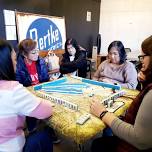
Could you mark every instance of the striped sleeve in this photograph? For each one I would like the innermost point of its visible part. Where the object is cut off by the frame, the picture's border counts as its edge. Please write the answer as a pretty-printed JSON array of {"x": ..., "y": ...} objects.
[{"x": 27, "y": 104}]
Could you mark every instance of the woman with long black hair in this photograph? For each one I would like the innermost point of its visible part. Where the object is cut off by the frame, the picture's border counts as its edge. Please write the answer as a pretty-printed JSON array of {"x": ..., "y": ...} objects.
[{"x": 74, "y": 59}]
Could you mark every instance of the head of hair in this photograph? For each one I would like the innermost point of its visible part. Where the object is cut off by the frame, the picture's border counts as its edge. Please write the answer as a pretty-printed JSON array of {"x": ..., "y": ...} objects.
[
  {"x": 6, "y": 65},
  {"x": 72, "y": 42},
  {"x": 121, "y": 50},
  {"x": 26, "y": 45},
  {"x": 146, "y": 47}
]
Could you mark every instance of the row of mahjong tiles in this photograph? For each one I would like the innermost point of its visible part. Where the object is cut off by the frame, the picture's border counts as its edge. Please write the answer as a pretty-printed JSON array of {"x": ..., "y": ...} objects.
[
  {"x": 64, "y": 86},
  {"x": 56, "y": 90}
]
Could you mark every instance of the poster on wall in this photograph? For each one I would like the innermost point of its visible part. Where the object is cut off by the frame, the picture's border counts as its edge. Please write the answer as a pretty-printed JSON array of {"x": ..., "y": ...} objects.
[{"x": 48, "y": 31}]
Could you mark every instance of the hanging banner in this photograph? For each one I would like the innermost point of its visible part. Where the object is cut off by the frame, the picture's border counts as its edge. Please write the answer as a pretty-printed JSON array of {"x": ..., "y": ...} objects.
[{"x": 48, "y": 31}]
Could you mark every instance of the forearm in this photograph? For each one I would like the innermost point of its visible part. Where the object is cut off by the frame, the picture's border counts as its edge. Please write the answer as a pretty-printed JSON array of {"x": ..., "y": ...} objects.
[
  {"x": 96, "y": 76},
  {"x": 108, "y": 118},
  {"x": 43, "y": 110},
  {"x": 120, "y": 128},
  {"x": 128, "y": 132},
  {"x": 138, "y": 134},
  {"x": 129, "y": 84}
]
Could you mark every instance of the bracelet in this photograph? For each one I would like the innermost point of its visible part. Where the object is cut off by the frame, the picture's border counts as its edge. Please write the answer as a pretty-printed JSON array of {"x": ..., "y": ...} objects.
[{"x": 102, "y": 114}]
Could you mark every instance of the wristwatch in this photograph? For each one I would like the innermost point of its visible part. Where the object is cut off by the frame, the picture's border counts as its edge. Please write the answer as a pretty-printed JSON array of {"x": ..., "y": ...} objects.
[{"x": 102, "y": 114}]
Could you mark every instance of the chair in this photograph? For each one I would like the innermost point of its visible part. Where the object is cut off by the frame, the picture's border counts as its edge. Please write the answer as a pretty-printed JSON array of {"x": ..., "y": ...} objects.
[
  {"x": 127, "y": 50},
  {"x": 89, "y": 67}
]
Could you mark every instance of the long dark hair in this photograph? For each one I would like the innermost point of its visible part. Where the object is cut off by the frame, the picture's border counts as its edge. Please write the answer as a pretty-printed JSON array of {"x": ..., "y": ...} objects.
[
  {"x": 147, "y": 49},
  {"x": 6, "y": 65},
  {"x": 74, "y": 43},
  {"x": 121, "y": 50}
]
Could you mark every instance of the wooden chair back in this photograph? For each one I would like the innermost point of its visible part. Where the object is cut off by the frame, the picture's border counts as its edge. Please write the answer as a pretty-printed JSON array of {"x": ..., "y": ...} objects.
[{"x": 43, "y": 53}]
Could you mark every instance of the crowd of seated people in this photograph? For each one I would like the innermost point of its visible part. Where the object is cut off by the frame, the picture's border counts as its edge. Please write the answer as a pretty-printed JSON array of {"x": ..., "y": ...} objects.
[{"x": 29, "y": 69}]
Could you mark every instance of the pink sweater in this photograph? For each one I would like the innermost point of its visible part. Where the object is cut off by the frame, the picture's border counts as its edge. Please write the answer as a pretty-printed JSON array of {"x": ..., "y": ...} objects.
[{"x": 16, "y": 103}]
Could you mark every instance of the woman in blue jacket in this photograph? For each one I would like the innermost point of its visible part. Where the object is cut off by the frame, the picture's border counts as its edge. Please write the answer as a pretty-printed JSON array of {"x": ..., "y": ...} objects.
[{"x": 31, "y": 69}]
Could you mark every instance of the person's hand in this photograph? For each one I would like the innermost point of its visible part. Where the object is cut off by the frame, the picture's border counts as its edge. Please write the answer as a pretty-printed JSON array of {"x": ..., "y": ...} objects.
[
  {"x": 95, "y": 78},
  {"x": 141, "y": 76},
  {"x": 53, "y": 78},
  {"x": 68, "y": 74},
  {"x": 96, "y": 108}
]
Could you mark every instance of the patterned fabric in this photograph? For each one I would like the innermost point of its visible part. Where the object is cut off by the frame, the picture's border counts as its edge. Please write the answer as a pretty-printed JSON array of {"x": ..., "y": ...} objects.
[
  {"x": 16, "y": 103},
  {"x": 23, "y": 76}
]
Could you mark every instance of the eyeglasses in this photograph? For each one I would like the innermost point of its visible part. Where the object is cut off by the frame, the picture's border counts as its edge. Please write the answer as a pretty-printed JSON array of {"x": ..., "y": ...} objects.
[
  {"x": 141, "y": 57},
  {"x": 34, "y": 51}
]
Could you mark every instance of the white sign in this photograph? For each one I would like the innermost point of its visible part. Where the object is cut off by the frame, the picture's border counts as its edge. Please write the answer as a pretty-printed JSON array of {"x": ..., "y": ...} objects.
[{"x": 48, "y": 31}]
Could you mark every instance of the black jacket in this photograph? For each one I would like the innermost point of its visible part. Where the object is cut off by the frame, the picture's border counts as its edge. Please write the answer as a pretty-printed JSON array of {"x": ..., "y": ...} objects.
[{"x": 79, "y": 63}]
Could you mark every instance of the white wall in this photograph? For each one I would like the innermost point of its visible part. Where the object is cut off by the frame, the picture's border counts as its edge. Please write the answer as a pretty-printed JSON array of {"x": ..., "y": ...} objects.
[{"x": 127, "y": 20}]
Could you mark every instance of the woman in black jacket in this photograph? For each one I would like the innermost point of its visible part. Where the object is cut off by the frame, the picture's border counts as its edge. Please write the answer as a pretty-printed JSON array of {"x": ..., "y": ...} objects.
[{"x": 74, "y": 59}]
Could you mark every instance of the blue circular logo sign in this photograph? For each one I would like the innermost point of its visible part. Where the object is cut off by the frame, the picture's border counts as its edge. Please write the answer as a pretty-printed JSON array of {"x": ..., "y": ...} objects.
[{"x": 46, "y": 33}]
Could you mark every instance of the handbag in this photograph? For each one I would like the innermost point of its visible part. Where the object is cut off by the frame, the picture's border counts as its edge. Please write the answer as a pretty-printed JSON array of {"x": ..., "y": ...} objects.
[{"x": 52, "y": 61}]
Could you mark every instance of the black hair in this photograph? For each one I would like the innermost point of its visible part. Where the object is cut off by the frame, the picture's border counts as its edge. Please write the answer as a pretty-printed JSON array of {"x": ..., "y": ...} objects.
[
  {"x": 6, "y": 65},
  {"x": 74, "y": 43},
  {"x": 121, "y": 50}
]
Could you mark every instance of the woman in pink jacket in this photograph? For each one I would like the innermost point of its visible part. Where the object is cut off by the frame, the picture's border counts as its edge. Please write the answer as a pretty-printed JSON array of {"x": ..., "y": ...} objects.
[{"x": 16, "y": 103}]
